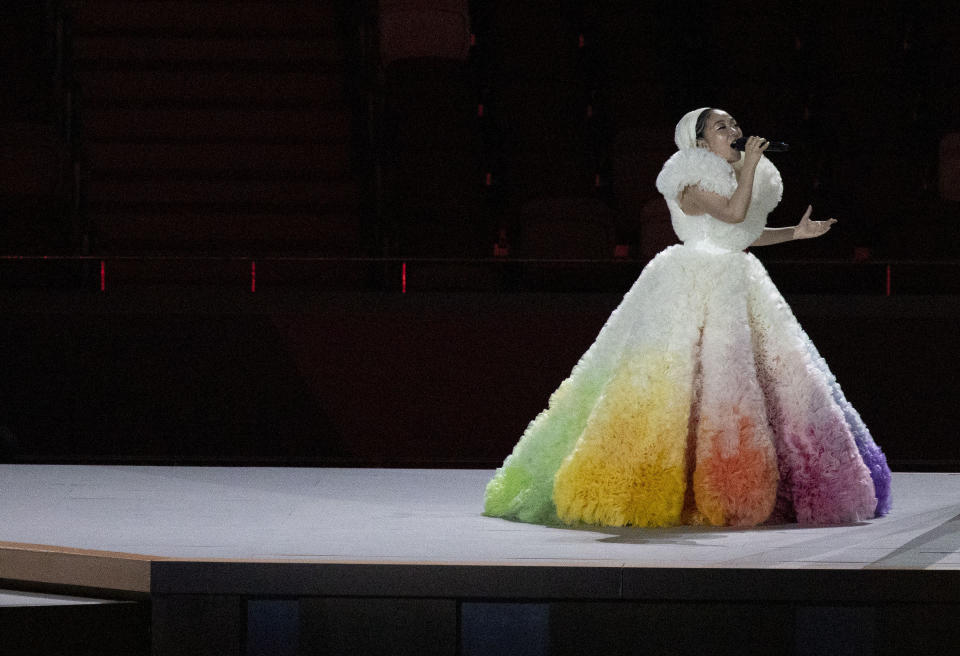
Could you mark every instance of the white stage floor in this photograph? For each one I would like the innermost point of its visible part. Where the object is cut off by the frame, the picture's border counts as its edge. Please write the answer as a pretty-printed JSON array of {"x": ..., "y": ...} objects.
[
  {"x": 395, "y": 515},
  {"x": 212, "y": 547},
  {"x": 103, "y": 526}
]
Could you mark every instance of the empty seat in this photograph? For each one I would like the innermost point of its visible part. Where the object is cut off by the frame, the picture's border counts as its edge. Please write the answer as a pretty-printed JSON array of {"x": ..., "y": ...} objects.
[
  {"x": 191, "y": 17},
  {"x": 423, "y": 28},
  {"x": 566, "y": 228},
  {"x": 950, "y": 167}
]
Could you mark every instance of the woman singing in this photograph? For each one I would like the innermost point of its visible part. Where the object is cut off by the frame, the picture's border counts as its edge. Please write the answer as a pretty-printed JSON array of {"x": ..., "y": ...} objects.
[{"x": 702, "y": 400}]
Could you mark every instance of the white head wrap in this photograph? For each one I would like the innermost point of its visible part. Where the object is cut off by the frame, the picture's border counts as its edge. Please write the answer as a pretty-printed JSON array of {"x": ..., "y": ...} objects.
[{"x": 685, "y": 136}]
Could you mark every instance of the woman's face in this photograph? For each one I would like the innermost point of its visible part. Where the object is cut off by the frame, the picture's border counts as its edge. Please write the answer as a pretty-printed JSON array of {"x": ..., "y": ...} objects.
[{"x": 719, "y": 131}]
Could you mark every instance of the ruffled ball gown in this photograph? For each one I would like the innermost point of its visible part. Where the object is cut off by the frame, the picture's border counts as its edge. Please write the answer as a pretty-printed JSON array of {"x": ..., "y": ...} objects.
[{"x": 702, "y": 400}]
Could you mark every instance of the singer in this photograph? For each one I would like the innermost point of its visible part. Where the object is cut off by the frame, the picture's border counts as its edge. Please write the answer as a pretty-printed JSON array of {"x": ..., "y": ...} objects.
[{"x": 702, "y": 400}]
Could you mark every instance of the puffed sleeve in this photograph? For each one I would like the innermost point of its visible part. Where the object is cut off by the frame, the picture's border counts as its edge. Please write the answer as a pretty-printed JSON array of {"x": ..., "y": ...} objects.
[{"x": 696, "y": 166}]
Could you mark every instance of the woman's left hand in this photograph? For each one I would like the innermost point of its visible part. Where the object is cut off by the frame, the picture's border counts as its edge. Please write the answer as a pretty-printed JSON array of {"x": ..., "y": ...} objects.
[{"x": 808, "y": 229}]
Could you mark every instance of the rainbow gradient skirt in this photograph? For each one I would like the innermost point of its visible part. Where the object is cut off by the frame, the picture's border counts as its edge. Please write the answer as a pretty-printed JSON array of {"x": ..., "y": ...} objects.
[{"x": 702, "y": 401}]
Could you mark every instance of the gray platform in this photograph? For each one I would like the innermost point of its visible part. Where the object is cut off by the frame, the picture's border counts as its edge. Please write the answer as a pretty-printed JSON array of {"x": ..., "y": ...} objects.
[
  {"x": 142, "y": 529},
  {"x": 367, "y": 560}
]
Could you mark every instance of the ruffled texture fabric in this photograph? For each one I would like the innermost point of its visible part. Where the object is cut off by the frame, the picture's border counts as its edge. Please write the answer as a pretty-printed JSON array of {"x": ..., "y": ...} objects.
[
  {"x": 702, "y": 400},
  {"x": 710, "y": 172}
]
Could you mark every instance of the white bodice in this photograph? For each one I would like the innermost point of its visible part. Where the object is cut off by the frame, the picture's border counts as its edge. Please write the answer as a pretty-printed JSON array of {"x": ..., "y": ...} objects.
[
  {"x": 701, "y": 167},
  {"x": 707, "y": 233}
]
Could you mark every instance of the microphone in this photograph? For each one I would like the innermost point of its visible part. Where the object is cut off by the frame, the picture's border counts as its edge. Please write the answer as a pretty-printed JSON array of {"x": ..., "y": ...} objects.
[{"x": 774, "y": 147}]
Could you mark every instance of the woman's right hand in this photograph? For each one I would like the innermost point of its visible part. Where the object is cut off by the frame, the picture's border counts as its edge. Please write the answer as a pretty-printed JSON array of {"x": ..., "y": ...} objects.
[{"x": 753, "y": 150}]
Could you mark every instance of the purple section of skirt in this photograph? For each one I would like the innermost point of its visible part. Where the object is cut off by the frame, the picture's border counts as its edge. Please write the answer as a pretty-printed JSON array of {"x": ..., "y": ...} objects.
[{"x": 872, "y": 456}]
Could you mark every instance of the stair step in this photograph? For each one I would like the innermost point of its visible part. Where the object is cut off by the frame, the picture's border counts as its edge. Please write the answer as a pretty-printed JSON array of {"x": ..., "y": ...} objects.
[
  {"x": 223, "y": 86},
  {"x": 275, "y": 193},
  {"x": 21, "y": 599},
  {"x": 191, "y": 17},
  {"x": 45, "y": 624},
  {"x": 30, "y": 159},
  {"x": 239, "y": 124},
  {"x": 134, "y": 50},
  {"x": 333, "y": 233},
  {"x": 313, "y": 158}
]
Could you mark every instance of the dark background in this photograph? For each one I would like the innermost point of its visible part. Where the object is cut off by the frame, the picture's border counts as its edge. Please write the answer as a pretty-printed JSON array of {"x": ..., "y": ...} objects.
[{"x": 153, "y": 153}]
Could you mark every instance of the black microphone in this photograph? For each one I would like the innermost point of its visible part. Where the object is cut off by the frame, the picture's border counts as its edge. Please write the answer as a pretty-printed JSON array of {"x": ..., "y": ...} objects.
[{"x": 774, "y": 147}]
